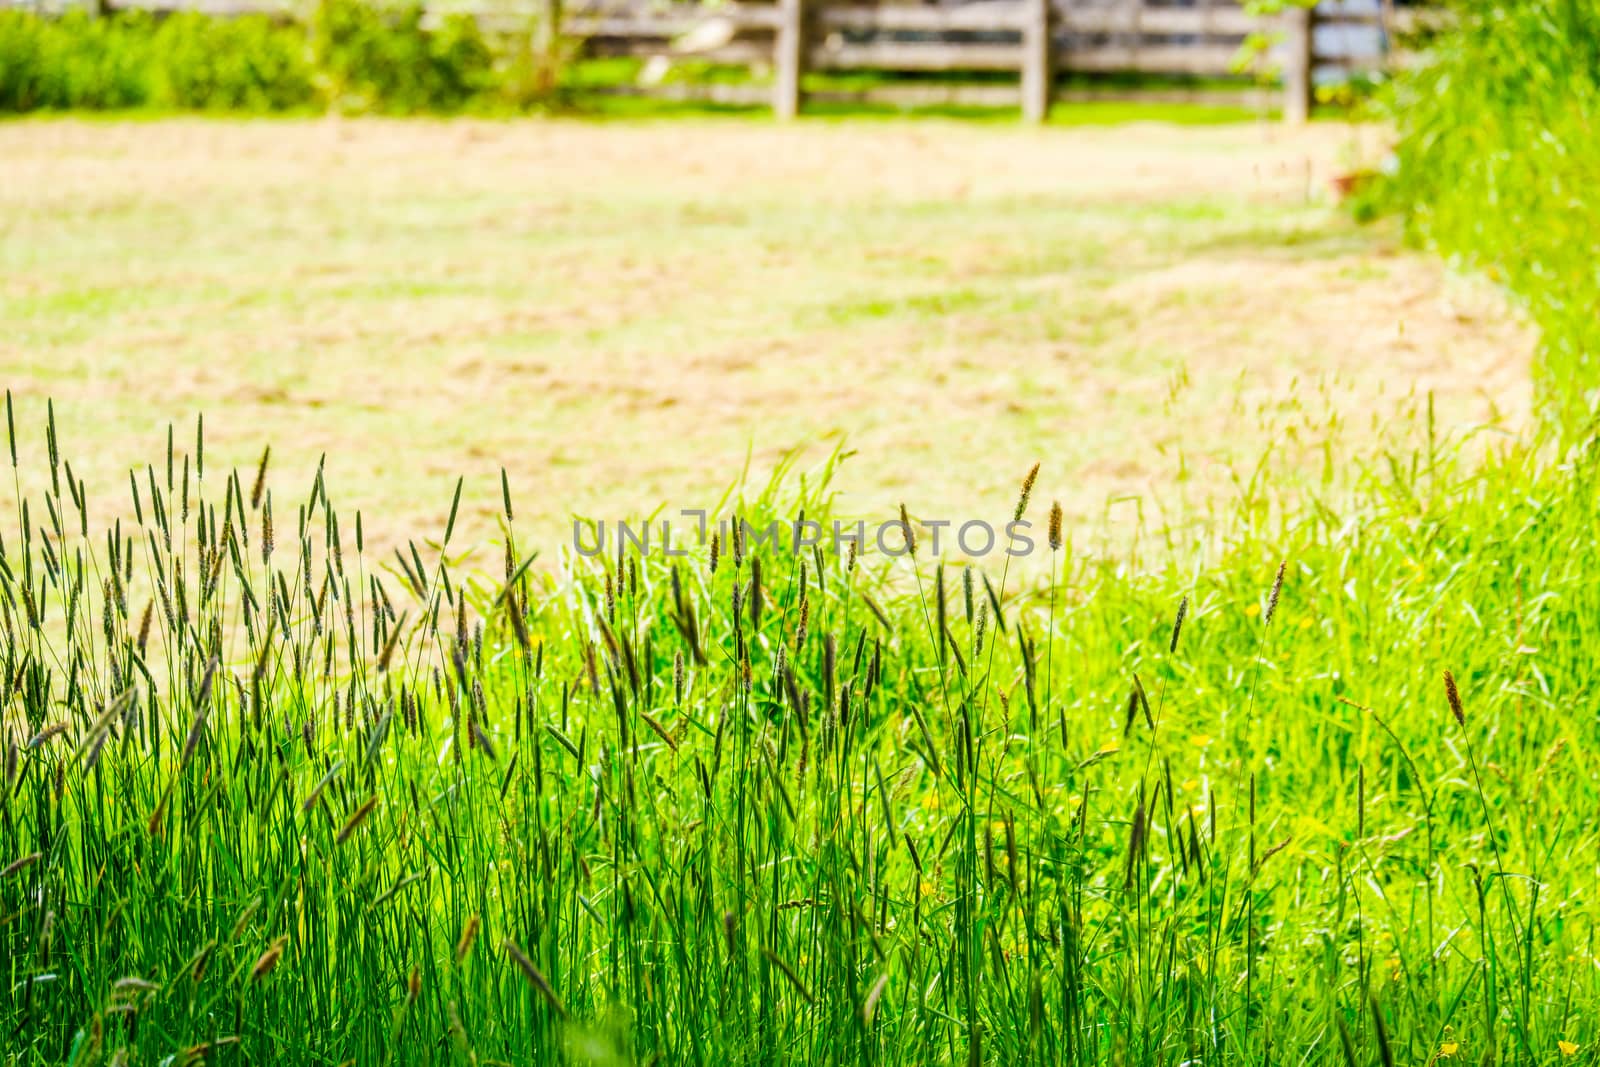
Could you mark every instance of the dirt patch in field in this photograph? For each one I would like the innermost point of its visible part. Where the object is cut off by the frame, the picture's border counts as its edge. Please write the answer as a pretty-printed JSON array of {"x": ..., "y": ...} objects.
[{"x": 621, "y": 314}]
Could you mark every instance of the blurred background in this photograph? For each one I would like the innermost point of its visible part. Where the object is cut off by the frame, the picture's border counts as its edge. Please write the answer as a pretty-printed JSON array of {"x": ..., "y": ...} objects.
[{"x": 635, "y": 253}]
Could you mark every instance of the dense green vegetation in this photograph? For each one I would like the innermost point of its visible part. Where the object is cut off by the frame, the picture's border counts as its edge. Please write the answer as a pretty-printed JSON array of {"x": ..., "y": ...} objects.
[
  {"x": 1326, "y": 799},
  {"x": 348, "y": 54},
  {"x": 1499, "y": 162},
  {"x": 267, "y": 795},
  {"x": 358, "y": 56}
]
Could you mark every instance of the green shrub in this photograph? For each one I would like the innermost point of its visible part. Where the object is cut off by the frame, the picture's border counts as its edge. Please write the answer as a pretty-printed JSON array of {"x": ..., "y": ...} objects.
[
  {"x": 73, "y": 62},
  {"x": 1499, "y": 165},
  {"x": 351, "y": 54},
  {"x": 243, "y": 64},
  {"x": 386, "y": 59}
]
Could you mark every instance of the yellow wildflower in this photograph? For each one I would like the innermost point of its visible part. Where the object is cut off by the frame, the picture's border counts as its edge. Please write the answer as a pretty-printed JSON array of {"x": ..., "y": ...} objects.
[
  {"x": 1449, "y": 1048},
  {"x": 1567, "y": 1048}
]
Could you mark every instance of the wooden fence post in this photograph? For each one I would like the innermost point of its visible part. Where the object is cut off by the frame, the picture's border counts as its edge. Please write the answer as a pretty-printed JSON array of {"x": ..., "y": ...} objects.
[
  {"x": 1299, "y": 51},
  {"x": 1038, "y": 61},
  {"x": 790, "y": 58}
]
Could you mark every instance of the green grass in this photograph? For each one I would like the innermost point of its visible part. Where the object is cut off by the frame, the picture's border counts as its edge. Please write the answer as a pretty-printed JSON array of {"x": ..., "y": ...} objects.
[
  {"x": 1497, "y": 165},
  {"x": 1126, "y": 301},
  {"x": 303, "y": 802},
  {"x": 1321, "y": 795}
]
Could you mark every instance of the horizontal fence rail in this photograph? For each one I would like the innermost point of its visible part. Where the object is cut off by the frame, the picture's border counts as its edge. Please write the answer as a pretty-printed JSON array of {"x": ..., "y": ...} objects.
[{"x": 1036, "y": 39}]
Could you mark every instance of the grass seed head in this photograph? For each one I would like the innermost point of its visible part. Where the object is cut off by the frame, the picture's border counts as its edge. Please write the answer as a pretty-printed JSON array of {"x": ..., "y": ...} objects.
[
  {"x": 1277, "y": 590},
  {"x": 1453, "y": 695},
  {"x": 1027, "y": 491},
  {"x": 261, "y": 478},
  {"x": 908, "y": 531},
  {"x": 469, "y": 934},
  {"x": 267, "y": 961},
  {"x": 534, "y": 977}
]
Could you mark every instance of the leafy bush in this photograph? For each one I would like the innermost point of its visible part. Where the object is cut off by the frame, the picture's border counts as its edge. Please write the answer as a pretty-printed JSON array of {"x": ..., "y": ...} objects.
[
  {"x": 244, "y": 64},
  {"x": 386, "y": 59},
  {"x": 74, "y": 62},
  {"x": 1499, "y": 164},
  {"x": 351, "y": 54}
]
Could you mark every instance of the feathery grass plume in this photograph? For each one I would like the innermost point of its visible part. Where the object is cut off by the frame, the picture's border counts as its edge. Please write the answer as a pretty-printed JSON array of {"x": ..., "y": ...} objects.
[
  {"x": 481, "y": 740},
  {"x": 1027, "y": 491},
  {"x": 202, "y": 706},
  {"x": 1055, "y": 526},
  {"x": 800, "y": 630},
  {"x": 677, "y": 677},
  {"x": 877, "y": 611},
  {"x": 756, "y": 599},
  {"x": 716, "y": 549},
  {"x": 519, "y": 625},
  {"x": 261, "y": 479},
  {"x": 1277, "y": 589},
  {"x": 45, "y": 736},
  {"x": 910, "y": 533},
  {"x": 534, "y": 977},
  {"x": 788, "y": 973},
  {"x": 1136, "y": 834},
  {"x": 322, "y": 783},
  {"x": 267, "y": 961},
  {"x": 1361, "y": 801},
  {"x": 1177, "y": 624},
  {"x": 1453, "y": 695},
  {"x": 196, "y": 965},
  {"x": 1132, "y": 712},
  {"x": 352, "y": 824},
  {"x": 469, "y": 934},
  {"x": 830, "y": 655},
  {"x": 144, "y": 627},
  {"x": 266, "y": 530},
  {"x": 21, "y": 864},
  {"x": 659, "y": 730},
  {"x": 389, "y": 645},
  {"x": 53, "y": 445},
  {"x": 11, "y": 430},
  {"x": 505, "y": 493}
]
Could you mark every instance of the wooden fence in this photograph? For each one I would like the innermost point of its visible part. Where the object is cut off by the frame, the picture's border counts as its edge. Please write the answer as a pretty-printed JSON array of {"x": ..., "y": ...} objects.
[{"x": 1036, "y": 39}]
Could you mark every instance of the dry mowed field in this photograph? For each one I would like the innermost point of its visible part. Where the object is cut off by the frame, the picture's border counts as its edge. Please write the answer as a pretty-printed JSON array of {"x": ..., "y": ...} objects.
[{"x": 620, "y": 313}]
